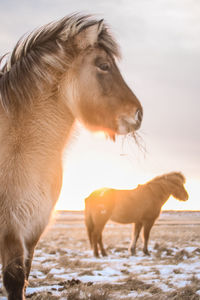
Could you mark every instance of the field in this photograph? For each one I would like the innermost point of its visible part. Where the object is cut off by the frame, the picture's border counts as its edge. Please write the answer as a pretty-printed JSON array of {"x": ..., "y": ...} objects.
[{"x": 64, "y": 267}]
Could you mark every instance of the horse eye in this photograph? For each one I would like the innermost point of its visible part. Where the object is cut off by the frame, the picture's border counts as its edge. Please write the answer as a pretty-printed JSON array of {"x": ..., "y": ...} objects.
[{"x": 104, "y": 67}]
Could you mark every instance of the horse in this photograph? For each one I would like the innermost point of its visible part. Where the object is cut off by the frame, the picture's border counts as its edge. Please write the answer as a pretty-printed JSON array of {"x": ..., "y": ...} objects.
[
  {"x": 61, "y": 72},
  {"x": 140, "y": 206}
]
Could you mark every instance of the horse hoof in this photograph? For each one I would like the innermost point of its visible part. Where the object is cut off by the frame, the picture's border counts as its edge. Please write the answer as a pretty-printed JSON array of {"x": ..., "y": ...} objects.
[{"x": 132, "y": 252}]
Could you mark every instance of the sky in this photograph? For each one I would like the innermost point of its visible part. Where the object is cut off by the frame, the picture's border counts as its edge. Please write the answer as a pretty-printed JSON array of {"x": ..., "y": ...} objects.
[{"x": 160, "y": 47}]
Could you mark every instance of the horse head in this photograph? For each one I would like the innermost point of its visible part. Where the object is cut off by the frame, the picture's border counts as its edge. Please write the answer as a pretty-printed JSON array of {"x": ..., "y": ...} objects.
[{"x": 94, "y": 88}]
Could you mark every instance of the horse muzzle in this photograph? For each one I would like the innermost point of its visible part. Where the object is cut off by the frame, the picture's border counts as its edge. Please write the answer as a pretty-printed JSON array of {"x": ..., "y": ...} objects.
[{"x": 130, "y": 123}]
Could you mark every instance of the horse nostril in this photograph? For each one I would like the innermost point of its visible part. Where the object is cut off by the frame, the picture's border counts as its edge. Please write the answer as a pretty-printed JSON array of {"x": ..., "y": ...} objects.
[{"x": 138, "y": 118}]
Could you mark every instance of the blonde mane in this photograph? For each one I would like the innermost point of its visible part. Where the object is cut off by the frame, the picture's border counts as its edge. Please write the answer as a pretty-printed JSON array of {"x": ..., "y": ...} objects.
[
  {"x": 165, "y": 182},
  {"x": 40, "y": 58}
]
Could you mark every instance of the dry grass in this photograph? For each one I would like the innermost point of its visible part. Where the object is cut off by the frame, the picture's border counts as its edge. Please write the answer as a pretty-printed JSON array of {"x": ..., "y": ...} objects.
[{"x": 63, "y": 262}]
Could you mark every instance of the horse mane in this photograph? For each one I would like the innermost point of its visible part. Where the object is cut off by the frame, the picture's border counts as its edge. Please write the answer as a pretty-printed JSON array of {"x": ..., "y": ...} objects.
[
  {"x": 41, "y": 57},
  {"x": 166, "y": 181}
]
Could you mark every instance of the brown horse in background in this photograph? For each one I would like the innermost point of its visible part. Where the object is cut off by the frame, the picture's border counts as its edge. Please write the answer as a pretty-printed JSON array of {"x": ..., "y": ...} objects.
[
  {"x": 141, "y": 206},
  {"x": 63, "y": 71}
]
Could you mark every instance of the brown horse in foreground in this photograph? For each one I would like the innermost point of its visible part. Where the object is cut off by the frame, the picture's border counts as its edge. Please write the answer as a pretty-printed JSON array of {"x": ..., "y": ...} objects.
[
  {"x": 141, "y": 206},
  {"x": 63, "y": 71}
]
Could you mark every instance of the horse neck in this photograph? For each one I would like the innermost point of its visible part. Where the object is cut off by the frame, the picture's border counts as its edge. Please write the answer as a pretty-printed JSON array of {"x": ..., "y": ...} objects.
[
  {"x": 162, "y": 193},
  {"x": 58, "y": 123},
  {"x": 45, "y": 125},
  {"x": 165, "y": 197}
]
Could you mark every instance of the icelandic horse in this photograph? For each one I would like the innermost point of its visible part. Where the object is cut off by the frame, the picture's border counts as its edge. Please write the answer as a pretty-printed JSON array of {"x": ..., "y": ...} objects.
[
  {"x": 63, "y": 71},
  {"x": 140, "y": 206}
]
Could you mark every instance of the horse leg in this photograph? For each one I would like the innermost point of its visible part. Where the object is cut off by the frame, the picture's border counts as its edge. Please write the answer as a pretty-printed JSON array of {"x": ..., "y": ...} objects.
[
  {"x": 12, "y": 252},
  {"x": 28, "y": 261},
  {"x": 147, "y": 228},
  {"x": 89, "y": 225},
  {"x": 103, "y": 251},
  {"x": 95, "y": 238},
  {"x": 135, "y": 235},
  {"x": 30, "y": 246}
]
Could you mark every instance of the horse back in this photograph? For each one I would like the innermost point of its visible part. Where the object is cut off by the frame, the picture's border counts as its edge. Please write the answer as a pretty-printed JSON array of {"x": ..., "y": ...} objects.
[{"x": 133, "y": 206}]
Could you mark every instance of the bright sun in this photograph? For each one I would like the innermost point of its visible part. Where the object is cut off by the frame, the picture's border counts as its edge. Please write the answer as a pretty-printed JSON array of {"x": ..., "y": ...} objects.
[{"x": 93, "y": 164}]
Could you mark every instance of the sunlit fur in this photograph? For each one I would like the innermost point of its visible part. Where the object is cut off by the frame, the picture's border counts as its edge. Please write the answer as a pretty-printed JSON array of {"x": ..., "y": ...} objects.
[
  {"x": 52, "y": 77},
  {"x": 141, "y": 206}
]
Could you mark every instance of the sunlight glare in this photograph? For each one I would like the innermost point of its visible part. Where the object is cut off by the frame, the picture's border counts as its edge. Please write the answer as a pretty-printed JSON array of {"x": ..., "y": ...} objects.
[
  {"x": 96, "y": 162},
  {"x": 99, "y": 134}
]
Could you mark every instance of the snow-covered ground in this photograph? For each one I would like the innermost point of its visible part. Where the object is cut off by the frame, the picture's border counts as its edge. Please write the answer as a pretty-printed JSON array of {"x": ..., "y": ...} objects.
[
  {"x": 115, "y": 268},
  {"x": 171, "y": 266}
]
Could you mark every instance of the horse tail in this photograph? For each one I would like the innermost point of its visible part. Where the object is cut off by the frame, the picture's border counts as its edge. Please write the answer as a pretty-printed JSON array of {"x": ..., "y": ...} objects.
[{"x": 88, "y": 220}]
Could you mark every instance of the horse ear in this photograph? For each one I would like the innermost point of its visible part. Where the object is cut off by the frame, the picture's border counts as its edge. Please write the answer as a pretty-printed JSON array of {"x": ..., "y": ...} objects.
[{"x": 89, "y": 35}]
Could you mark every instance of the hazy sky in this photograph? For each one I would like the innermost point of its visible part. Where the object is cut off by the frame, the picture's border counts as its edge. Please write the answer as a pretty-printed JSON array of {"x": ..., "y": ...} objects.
[{"x": 160, "y": 45}]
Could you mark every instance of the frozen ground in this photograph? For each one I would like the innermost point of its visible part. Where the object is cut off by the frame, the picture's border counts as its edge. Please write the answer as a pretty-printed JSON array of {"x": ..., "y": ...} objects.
[{"x": 63, "y": 263}]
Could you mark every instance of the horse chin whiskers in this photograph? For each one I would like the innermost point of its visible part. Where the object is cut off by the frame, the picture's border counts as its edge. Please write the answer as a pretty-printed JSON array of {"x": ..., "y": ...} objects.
[
  {"x": 111, "y": 136},
  {"x": 139, "y": 141}
]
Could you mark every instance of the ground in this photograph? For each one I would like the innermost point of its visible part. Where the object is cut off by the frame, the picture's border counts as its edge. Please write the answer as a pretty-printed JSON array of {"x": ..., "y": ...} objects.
[{"x": 64, "y": 266}]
